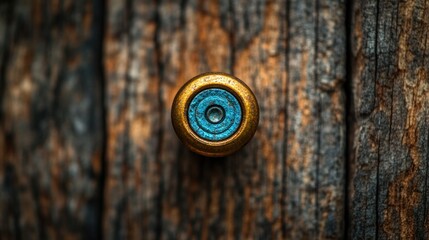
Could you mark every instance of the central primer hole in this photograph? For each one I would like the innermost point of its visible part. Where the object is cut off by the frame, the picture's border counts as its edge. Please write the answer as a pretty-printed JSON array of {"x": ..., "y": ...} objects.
[{"x": 215, "y": 114}]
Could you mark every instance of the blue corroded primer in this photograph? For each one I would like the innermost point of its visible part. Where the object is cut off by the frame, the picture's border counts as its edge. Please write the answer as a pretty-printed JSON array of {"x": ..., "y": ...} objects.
[{"x": 201, "y": 110}]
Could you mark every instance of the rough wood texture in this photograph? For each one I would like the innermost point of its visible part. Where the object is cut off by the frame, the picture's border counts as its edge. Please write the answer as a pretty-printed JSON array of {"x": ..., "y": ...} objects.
[
  {"x": 391, "y": 94},
  {"x": 285, "y": 183},
  {"x": 87, "y": 149},
  {"x": 51, "y": 115},
  {"x": 316, "y": 124}
]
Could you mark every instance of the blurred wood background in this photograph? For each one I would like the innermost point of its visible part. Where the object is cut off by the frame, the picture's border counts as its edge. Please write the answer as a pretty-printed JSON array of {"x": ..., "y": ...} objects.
[{"x": 87, "y": 150}]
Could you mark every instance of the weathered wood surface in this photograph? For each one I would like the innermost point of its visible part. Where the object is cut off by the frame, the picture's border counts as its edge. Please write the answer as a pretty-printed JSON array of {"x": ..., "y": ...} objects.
[
  {"x": 390, "y": 193},
  {"x": 285, "y": 183},
  {"x": 87, "y": 149},
  {"x": 51, "y": 121}
]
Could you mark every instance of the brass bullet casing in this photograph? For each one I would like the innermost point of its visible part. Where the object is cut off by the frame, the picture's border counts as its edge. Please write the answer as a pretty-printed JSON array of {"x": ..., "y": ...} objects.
[{"x": 215, "y": 114}]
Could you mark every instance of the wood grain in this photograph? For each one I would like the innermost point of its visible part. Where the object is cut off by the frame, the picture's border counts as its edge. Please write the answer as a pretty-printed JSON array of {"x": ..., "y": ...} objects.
[
  {"x": 51, "y": 115},
  {"x": 316, "y": 125},
  {"x": 390, "y": 83},
  {"x": 282, "y": 184},
  {"x": 87, "y": 149}
]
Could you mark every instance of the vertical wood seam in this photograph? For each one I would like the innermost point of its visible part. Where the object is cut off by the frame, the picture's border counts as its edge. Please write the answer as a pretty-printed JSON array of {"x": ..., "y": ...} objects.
[
  {"x": 377, "y": 187},
  {"x": 349, "y": 115},
  {"x": 318, "y": 113},
  {"x": 99, "y": 26},
  {"x": 285, "y": 130},
  {"x": 160, "y": 70}
]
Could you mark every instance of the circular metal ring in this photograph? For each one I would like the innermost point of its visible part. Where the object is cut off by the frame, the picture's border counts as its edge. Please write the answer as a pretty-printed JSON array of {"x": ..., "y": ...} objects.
[{"x": 194, "y": 127}]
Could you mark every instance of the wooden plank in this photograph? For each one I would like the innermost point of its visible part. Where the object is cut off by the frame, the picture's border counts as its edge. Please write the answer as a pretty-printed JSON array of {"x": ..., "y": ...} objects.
[
  {"x": 390, "y": 82},
  {"x": 133, "y": 120},
  {"x": 52, "y": 123},
  {"x": 275, "y": 187},
  {"x": 316, "y": 125}
]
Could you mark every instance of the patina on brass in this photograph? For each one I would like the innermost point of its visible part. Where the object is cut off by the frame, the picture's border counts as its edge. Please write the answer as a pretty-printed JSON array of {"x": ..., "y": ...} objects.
[{"x": 249, "y": 121}]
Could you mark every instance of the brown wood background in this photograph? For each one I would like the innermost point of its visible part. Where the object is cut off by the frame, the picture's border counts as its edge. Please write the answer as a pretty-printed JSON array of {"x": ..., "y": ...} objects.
[{"x": 87, "y": 149}]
